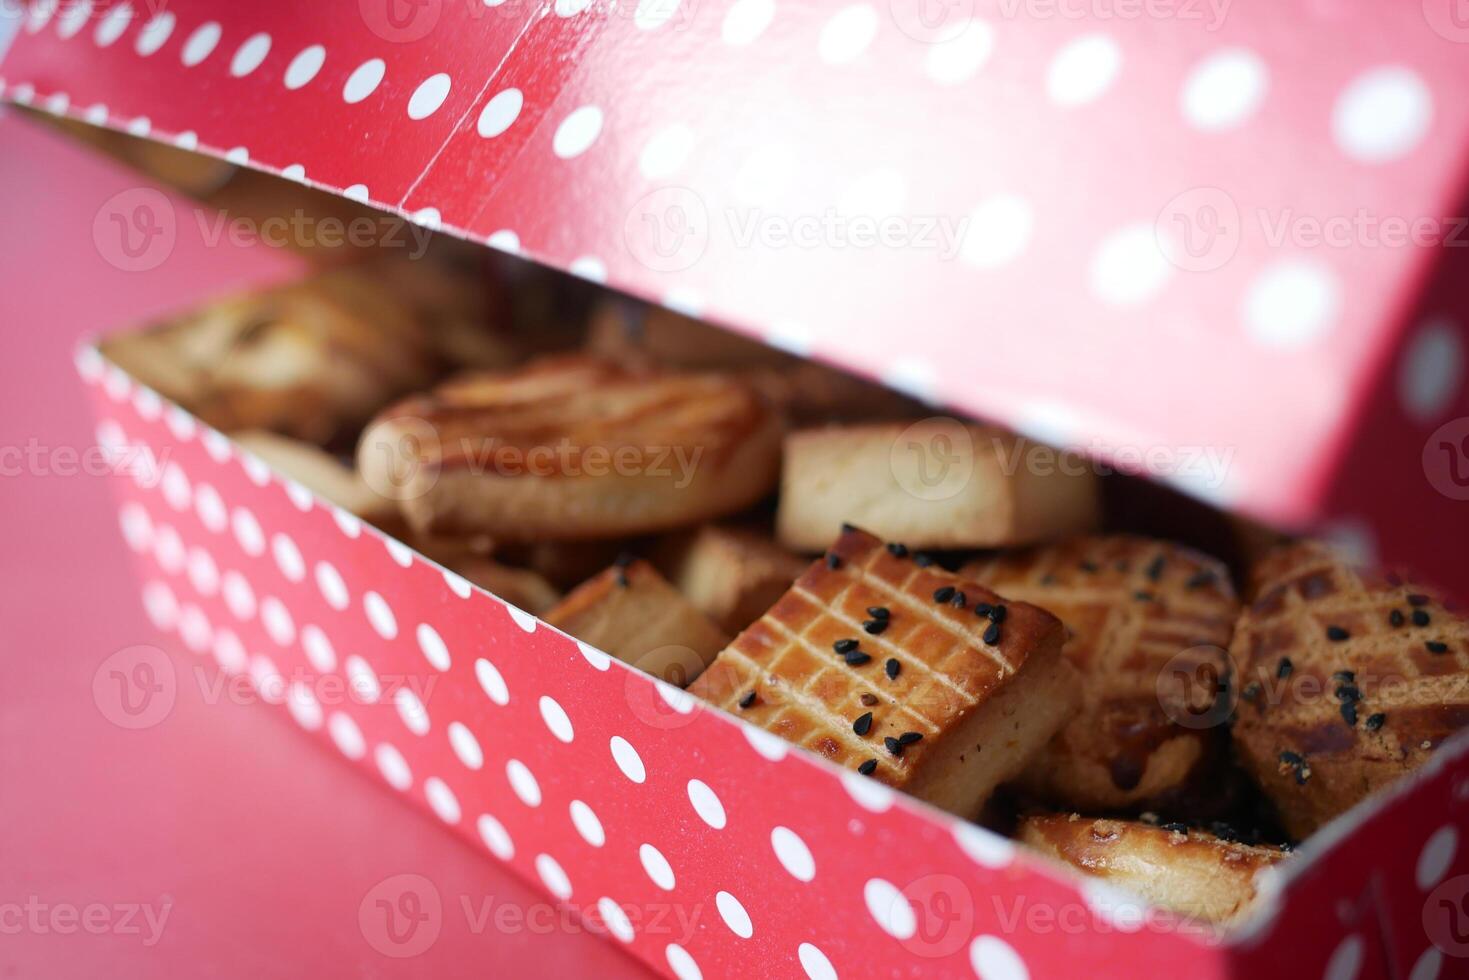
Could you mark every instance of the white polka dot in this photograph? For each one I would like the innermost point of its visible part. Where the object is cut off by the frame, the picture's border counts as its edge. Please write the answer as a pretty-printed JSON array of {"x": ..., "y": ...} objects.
[
  {"x": 746, "y": 20},
  {"x": 97, "y": 115},
  {"x": 491, "y": 682},
  {"x": 113, "y": 25},
  {"x": 441, "y": 798},
  {"x": 116, "y": 383},
  {"x": 1224, "y": 89},
  {"x": 218, "y": 446},
  {"x": 500, "y": 112},
  {"x": 346, "y": 522},
  {"x": 523, "y": 782},
  {"x": 89, "y": 361},
  {"x": 304, "y": 66},
  {"x": 577, "y": 132},
  {"x": 250, "y": 55},
  {"x": 523, "y": 619},
  {"x": 239, "y": 598},
  {"x": 681, "y": 963},
  {"x": 294, "y": 171},
  {"x": 247, "y": 532},
  {"x": 793, "y": 853},
  {"x": 210, "y": 508},
  {"x": 432, "y": 645},
  {"x": 428, "y": 217},
  {"x": 764, "y": 175},
  {"x": 1436, "y": 856},
  {"x": 706, "y": 804},
  {"x": 137, "y": 528},
  {"x": 771, "y": 747},
  {"x": 505, "y": 240},
  {"x": 362, "y": 680},
  {"x": 1428, "y": 966},
  {"x": 889, "y": 908},
  {"x": 203, "y": 573},
  {"x": 357, "y": 192},
  {"x": 556, "y": 720},
  {"x": 299, "y": 496},
  {"x": 195, "y": 630},
  {"x": 959, "y": 58},
  {"x": 364, "y": 80},
  {"x": 1382, "y": 115},
  {"x": 815, "y": 963},
  {"x": 734, "y": 915},
  {"x": 1346, "y": 961},
  {"x": 303, "y": 706},
  {"x": 847, "y": 34},
  {"x": 587, "y": 824},
  {"x": 570, "y": 8},
  {"x": 201, "y": 44},
  {"x": 181, "y": 424},
  {"x": 998, "y": 231},
  {"x": 168, "y": 549},
  {"x": 1129, "y": 267},
  {"x": 73, "y": 18},
  {"x": 411, "y": 710},
  {"x": 868, "y": 792},
  {"x": 496, "y": 837},
  {"x": 155, "y": 34},
  {"x": 466, "y": 746},
  {"x": 393, "y": 766},
  {"x": 380, "y": 615},
  {"x": 593, "y": 656},
  {"x": 256, "y": 469},
  {"x": 429, "y": 96},
  {"x": 1083, "y": 70},
  {"x": 912, "y": 377},
  {"x": 1291, "y": 303},
  {"x": 1431, "y": 369},
  {"x": 23, "y": 93},
  {"x": 627, "y": 759},
  {"x": 1120, "y": 909},
  {"x": 458, "y": 584},
  {"x": 239, "y": 156},
  {"x": 793, "y": 338},
  {"x": 160, "y": 605},
  {"x": 877, "y": 193},
  {"x": 985, "y": 847},
  {"x": 318, "y": 649},
  {"x": 346, "y": 735},
  {"x": 288, "y": 557},
  {"x": 653, "y": 14},
  {"x": 553, "y": 876},
  {"x": 666, "y": 152},
  {"x": 615, "y": 919},
  {"x": 268, "y": 682},
  {"x": 277, "y": 620},
  {"x": 685, "y": 300},
  {"x": 590, "y": 268},
  {"x": 657, "y": 867},
  {"x": 333, "y": 589},
  {"x": 229, "y": 652},
  {"x": 57, "y": 103},
  {"x": 994, "y": 959}
]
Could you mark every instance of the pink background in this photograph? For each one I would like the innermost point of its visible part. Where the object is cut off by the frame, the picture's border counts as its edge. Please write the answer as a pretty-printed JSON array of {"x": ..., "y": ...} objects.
[{"x": 93, "y": 814}]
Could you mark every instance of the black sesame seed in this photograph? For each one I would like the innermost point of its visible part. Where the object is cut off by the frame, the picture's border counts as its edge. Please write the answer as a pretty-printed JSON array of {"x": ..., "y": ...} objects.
[
  {"x": 1175, "y": 827},
  {"x": 1284, "y": 668},
  {"x": 893, "y": 745},
  {"x": 897, "y": 550},
  {"x": 1302, "y": 774},
  {"x": 832, "y": 561},
  {"x": 1395, "y": 617},
  {"x": 997, "y": 614},
  {"x": 1290, "y": 758},
  {"x": 863, "y": 725},
  {"x": 879, "y": 612},
  {"x": 844, "y": 646},
  {"x": 1199, "y": 579},
  {"x": 992, "y": 634},
  {"x": 875, "y": 626},
  {"x": 893, "y": 667},
  {"x": 1090, "y": 566},
  {"x": 1376, "y": 721},
  {"x": 959, "y": 601},
  {"x": 1142, "y": 596},
  {"x": 1344, "y": 676},
  {"x": 1336, "y": 634},
  {"x": 1348, "y": 692},
  {"x": 1251, "y": 692},
  {"x": 1048, "y": 579},
  {"x": 983, "y": 609},
  {"x": 868, "y": 768},
  {"x": 923, "y": 560},
  {"x": 1435, "y": 646},
  {"x": 622, "y": 578},
  {"x": 908, "y": 738},
  {"x": 857, "y": 658},
  {"x": 943, "y": 594},
  {"x": 1420, "y": 618},
  {"x": 624, "y": 559},
  {"x": 1349, "y": 713},
  {"x": 1417, "y": 600},
  {"x": 747, "y": 700},
  {"x": 1155, "y": 568},
  {"x": 848, "y": 528}
]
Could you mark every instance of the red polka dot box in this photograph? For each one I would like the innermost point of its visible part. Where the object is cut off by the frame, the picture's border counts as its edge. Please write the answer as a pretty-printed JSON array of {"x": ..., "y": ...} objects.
[{"x": 1157, "y": 230}]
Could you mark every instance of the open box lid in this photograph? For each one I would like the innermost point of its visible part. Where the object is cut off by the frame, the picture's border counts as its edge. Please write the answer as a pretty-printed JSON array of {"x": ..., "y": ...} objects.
[{"x": 1205, "y": 242}]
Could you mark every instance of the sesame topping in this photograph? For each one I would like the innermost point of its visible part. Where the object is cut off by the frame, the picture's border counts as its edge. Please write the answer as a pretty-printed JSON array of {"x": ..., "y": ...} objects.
[
  {"x": 1349, "y": 713},
  {"x": 832, "y": 561},
  {"x": 892, "y": 667},
  {"x": 1284, "y": 668},
  {"x": 996, "y": 614},
  {"x": 908, "y": 738},
  {"x": 1251, "y": 692},
  {"x": 747, "y": 700},
  {"x": 1155, "y": 568},
  {"x": 1420, "y": 618},
  {"x": 959, "y": 600},
  {"x": 624, "y": 559},
  {"x": 894, "y": 747},
  {"x": 1344, "y": 676},
  {"x": 1089, "y": 566},
  {"x": 845, "y": 645},
  {"x": 1142, "y": 596},
  {"x": 1434, "y": 646},
  {"x": 1348, "y": 692},
  {"x": 1336, "y": 634},
  {"x": 868, "y": 768},
  {"x": 1375, "y": 721},
  {"x": 857, "y": 658},
  {"x": 879, "y": 612},
  {"x": 983, "y": 609},
  {"x": 1396, "y": 617},
  {"x": 1200, "y": 579},
  {"x": 923, "y": 559},
  {"x": 897, "y": 550},
  {"x": 868, "y": 700},
  {"x": 875, "y": 626},
  {"x": 621, "y": 578},
  {"x": 992, "y": 634},
  {"x": 943, "y": 594},
  {"x": 863, "y": 725}
]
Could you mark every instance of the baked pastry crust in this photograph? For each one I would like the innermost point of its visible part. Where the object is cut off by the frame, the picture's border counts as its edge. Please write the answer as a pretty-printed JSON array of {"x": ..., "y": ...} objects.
[
  {"x": 631, "y": 612},
  {"x": 1188, "y": 871},
  {"x": 1149, "y": 624},
  {"x": 572, "y": 448},
  {"x": 732, "y": 574},
  {"x": 319, "y": 471},
  {"x": 965, "y": 699},
  {"x": 1350, "y": 679},
  {"x": 930, "y": 484},
  {"x": 520, "y": 587}
]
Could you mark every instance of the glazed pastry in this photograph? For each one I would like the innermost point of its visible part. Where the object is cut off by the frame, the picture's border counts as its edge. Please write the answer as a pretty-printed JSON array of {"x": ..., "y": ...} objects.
[
  {"x": 931, "y": 484},
  {"x": 631, "y": 612},
  {"x": 891, "y": 666},
  {"x": 732, "y": 574},
  {"x": 574, "y": 448},
  {"x": 1350, "y": 679},
  {"x": 1188, "y": 871},
  {"x": 1148, "y": 626}
]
